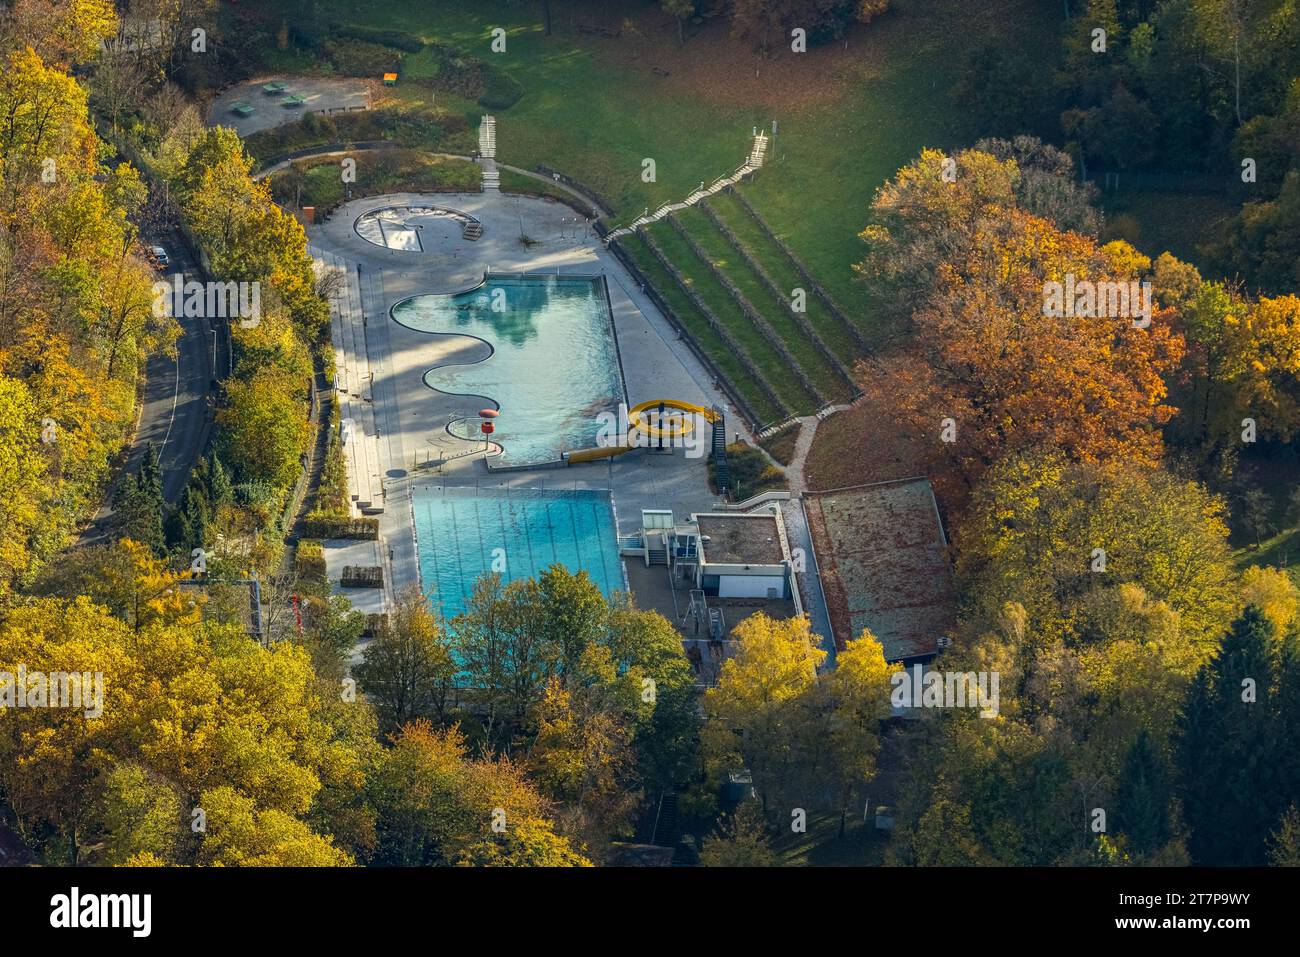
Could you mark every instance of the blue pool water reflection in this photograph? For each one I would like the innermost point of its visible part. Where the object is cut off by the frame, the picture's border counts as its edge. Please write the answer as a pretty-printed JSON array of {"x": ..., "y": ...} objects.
[
  {"x": 554, "y": 366},
  {"x": 462, "y": 531}
]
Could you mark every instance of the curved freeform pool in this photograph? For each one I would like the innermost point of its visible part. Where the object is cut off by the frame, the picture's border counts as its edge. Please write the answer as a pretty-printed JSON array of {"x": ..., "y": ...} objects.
[{"x": 554, "y": 366}]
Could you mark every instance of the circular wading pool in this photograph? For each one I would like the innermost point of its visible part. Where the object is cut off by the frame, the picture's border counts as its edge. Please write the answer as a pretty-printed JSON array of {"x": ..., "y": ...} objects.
[{"x": 415, "y": 228}]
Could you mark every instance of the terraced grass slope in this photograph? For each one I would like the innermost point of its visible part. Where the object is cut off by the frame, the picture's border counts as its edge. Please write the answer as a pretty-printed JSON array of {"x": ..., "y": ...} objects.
[
  {"x": 726, "y": 357},
  {"x": 847, "y": 340},
  {"x": 771, "y": 366},
  {"x": 789, "y": 348}
]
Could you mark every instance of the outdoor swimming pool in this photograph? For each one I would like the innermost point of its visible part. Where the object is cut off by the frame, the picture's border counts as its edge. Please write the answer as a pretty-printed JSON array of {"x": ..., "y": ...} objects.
[
  {"x": 462, "y": 533},
  {"x": 554, "y": 366}
]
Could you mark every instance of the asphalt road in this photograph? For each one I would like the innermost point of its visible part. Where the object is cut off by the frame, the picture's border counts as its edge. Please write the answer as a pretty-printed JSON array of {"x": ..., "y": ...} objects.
[{"x": 175, "y": 416}]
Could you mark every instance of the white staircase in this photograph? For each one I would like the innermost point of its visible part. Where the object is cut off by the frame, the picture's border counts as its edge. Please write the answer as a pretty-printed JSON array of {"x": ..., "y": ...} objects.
[
  {"x": 755, "y": 161},
  {"x": 487, "y": 148}
]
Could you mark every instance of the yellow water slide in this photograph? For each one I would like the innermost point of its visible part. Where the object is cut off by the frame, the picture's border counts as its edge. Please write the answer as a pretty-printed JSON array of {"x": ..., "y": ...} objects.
[{"x": 639, "y": 422}]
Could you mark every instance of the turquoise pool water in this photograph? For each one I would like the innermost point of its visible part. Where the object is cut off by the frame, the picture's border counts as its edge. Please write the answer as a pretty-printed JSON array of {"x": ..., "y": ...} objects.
[
  {"x": 554, "y": 365},
  {"x": 461, "y": 532}
]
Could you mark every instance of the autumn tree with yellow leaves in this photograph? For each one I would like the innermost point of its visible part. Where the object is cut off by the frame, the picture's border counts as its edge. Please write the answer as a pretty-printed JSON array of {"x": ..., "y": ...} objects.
[
  {"x": 76, "y": 322},
  {"x": 807, "y": 740}
]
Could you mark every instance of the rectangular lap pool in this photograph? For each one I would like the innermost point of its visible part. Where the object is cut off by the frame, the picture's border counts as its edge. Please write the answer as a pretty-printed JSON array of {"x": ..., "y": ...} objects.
[{"x": 460, "y": 532}]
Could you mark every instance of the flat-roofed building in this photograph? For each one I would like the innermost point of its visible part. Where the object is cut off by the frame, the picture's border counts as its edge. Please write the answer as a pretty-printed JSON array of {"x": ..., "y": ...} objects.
[
  {"x": 883, "y": 557},
  {"x": 722, "y": 567},
  {"x": 743, "y": 554}
]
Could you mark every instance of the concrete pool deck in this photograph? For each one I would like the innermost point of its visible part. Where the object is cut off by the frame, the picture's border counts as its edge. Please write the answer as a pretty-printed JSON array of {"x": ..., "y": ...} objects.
[{"x": 409, "y": 418}]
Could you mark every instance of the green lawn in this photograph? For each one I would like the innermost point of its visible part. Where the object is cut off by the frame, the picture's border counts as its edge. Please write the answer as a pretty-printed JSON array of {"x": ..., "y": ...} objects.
[
  {"x": 512, "y": 182},
  {"x": 596, "y": 116},
  {"x": 781, "y": 446},
  {"x": 1280, "y": 551},
  {"x": 724, "y": 256}
]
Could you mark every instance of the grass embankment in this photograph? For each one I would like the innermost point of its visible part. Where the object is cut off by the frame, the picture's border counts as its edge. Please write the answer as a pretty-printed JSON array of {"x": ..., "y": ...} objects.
[
  {"x": 769, "y": 362},
  {"x": 781, "y": 446},
  {"x": 696, "y": 324},
  {"x": 849, "y": 113},
  {"x": 318, "y": 182}
]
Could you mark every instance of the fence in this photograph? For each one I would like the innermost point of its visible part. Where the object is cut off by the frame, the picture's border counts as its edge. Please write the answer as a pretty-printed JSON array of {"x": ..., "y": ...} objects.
[
  {"x": 600, "y": 206},
  {"x": 1165, "y": 181}
]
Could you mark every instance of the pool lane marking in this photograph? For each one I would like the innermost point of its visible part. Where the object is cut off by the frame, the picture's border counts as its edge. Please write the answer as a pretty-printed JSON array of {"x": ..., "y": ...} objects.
[
  {"x": 460, "y": 565},
  {"x": 484, "y": 565},
  {"x": 505, "y": 535},
  {"x": 577, "y": 545},
  {"x": 598, "y": 513},
  {"x": 603, "y": 519},
  {"x": 433, "y": 551},
  {"x": 528, "y": 539},
  {"x": 550, "y": 530}
]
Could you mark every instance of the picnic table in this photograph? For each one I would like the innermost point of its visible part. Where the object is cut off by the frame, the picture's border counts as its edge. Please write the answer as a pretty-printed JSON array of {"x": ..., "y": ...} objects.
[
  {"x": 271, "y": 89},
  {"x": 240, "y": 108},
  {"x": 295, "y": 99}
]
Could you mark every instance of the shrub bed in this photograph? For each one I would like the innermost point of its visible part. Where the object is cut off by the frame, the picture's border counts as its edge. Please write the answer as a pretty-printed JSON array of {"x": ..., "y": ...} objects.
[
  {"x": 751, "y": 472},
  {"x": 328, "y": 526},
  {"x": 309, "y": 561},
  {"x": 362, "y": 576}
]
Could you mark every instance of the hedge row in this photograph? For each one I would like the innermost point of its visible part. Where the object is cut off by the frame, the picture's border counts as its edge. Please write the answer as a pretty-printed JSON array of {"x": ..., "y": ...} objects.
[
  {"x": 362, "y": 576},
  {"x": 325, "y": 526},
  {"x": 332, "y": 500}
]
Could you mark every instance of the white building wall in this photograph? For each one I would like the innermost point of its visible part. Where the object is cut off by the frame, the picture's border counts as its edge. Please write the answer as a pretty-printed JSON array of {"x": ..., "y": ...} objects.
[{"x": 750, "y": 586}]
